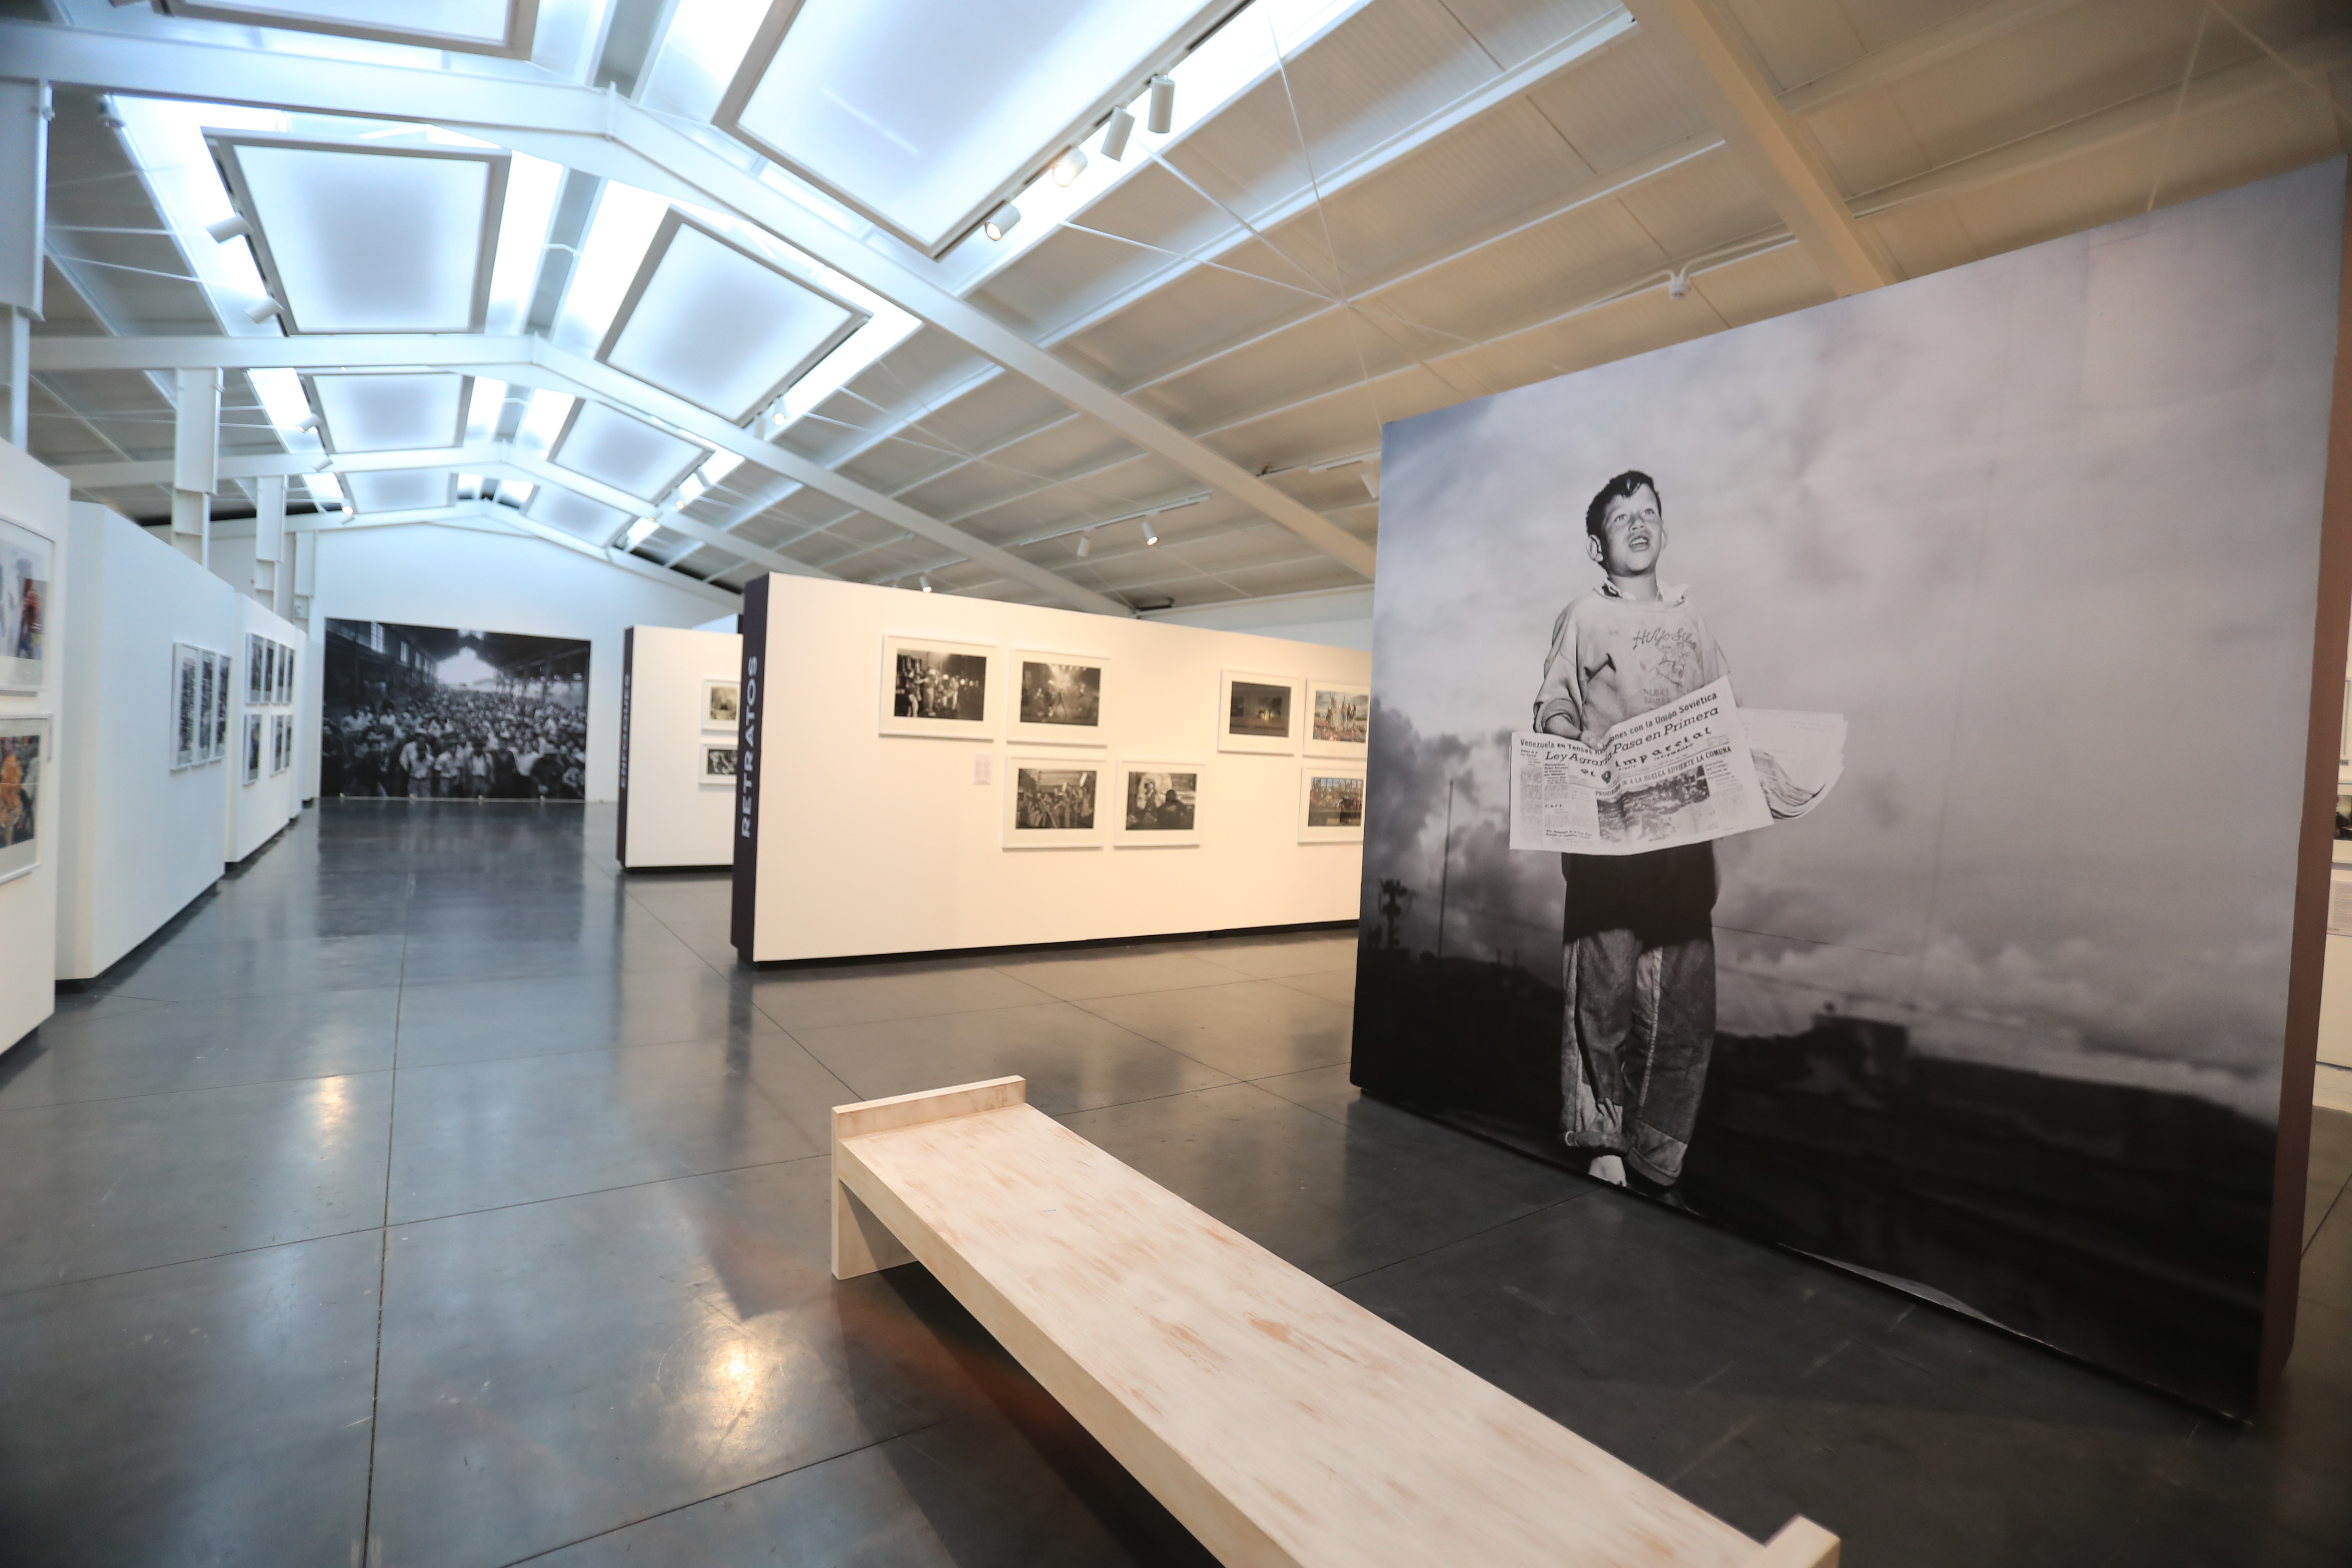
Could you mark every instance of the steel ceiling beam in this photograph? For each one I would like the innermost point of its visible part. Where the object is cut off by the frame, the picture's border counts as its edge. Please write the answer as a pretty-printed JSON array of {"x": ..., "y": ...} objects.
[
  {"x": 602, "y": 133},
  {"x": 1928, "y": 46},
  {"x": 1716, "y": 69}
]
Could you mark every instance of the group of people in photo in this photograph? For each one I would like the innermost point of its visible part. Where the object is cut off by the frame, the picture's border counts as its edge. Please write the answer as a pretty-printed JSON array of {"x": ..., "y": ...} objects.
[
  {"x": 453, "y": 745},
  {"x": 1055, "y": 799}
]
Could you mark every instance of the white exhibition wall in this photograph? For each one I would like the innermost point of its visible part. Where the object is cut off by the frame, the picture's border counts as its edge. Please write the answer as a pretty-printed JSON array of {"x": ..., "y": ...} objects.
[
  {"x": 670, "y": 815},
  {"x": 257, "y": 811},
  {"x": 1341, "y": 618},
  {"x": 32, "y": 497},
  {"x": 139, "y": 839},
  {"x": 431, "y": 575},
  {"x": 870, "y": 843}
]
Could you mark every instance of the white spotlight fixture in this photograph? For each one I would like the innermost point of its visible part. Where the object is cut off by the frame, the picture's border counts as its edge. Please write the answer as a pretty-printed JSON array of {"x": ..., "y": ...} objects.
[
  {"x": 1069, "y": 166},
  {"x": 322, "y": 465},
  {"x": 1149, "y": 537},
  {"x": 1678, "y": 285},
  {"x": 1114, "y": 135},
  {"x": 999, "y": 223},
  {"x": 1086, "y": 542},
  {"x": 925, "y": 581},
  {"x": 261, "y": 310},
  {"x": 234, "y": 227},
  {"x": 1162, "y": 115},
  {"x": 308, "y": 422}
]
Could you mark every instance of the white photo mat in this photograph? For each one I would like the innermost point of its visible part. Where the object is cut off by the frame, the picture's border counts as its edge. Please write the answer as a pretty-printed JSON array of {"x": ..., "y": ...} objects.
[
  {"x": 941, "y": 690},
  {"x": 23, "y": 773},
  {"x": 1250, "y": 706},
  {"x": 27, "y": 561},
  {"x": 180, "y": 740},
  {"x": 1158, "y": 805},
  {"x": 252, "y": 738},
  {"x": 1339, "y": 719},
  {"x": 1056, "y": 699},
  {"x": 1331, "y": 804},
  {"x": 1041, "y": 793},
  {"x": 718, "y": 764},
  {"x": 722, "y": 704}
]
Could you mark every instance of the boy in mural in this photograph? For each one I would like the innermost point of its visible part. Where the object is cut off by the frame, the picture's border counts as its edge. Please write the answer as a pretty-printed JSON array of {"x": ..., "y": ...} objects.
[{"x": 1638, "y": 959}]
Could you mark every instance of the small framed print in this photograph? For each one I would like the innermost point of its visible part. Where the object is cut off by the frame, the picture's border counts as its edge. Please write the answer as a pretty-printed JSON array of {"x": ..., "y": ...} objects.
[
  {"x": 26, "y": 559},
  {"x": 254, "y": 693},
  {"x": 930, "y": 686},
  {"x": 186, "y": 700},
  {"x": 281, "y": 743},
  {"x": 1158, "y": 805},
  {"x": 221, "y": 706},
  {"x": 268, "y": 671},
  {"x": 1331, "y": 806},
  {"x": 285, "y": 674},
  {"x": 208, "y": 704},
  {"x": 253, "y": 748},
  {"x": 1258, "y": 713},
  {"x": 722, "y": 706},
  {"x": 23, "y": 758},
  {"x": 1052, "y": 802},
  {"x": 717, "y": 764},
  {"x": 1057, "y": 698},
  {"x": 1339, "y": 719}
]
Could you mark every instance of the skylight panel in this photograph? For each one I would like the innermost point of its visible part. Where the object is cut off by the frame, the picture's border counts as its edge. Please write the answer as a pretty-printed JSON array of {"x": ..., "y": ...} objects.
[
  {"x": 626, "y": 453},
  {"x": 543, "y": 419},
  {"x": 709, "y": 322},
  {"x": 924, "y": 114},
  {"x": 165, "y": 140},
  {"x": 372, "y": 238},
  {"x": 475, "y": 27},
  {"x": 401, "y": 489},
  {"x": 576, "y": 515},
  {"x": 395, "y": 411}
]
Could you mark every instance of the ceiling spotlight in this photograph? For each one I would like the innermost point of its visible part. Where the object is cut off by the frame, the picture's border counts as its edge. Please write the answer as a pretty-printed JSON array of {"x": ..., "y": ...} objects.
[
  {"x": 1114, "y": 135},
  {"x": 1678, "y": 285},
  {"x": 1149, "y": 537},
  {"x": 999, "y": 223},
  {"x": 233, "y": 227},
  {"x": 777, "y": 419},
  {"x": 261, "y": 310},
  {"x": 1372, "y": 482},
  {"x": 322, "y": 465},
  {"x": 1086, "y": 542},
  {"x": 1069, "y": 166},
  {"x": 308, "y": 422},
  {"x": 1162, "y": 113},
  {"x": 925, "y": 581}
]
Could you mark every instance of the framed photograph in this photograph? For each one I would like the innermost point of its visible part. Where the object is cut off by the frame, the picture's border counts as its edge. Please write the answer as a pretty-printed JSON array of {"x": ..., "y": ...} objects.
[
  {"x": 1051, "y": 803},
  {"x": 722, "y": 707},
  {"x": 253, "y": 748},
  {"x": 221, "y": 705},
  {"x": 1057, "y": 698},
  {"x": 186, "y": 694},
  {"x": 1331, "y": 806},
  {"x": 717, "y": 764},
  {"x": 25, "y": 561},
  {"x": 215, "y": 694},
  {"x": 1258, "y": 713},
  {"x": 1339, "y": 719},
  {"x": 935, "y": 687},
  {"x": 281, "y": 743},
  {"x": 285, "y": 674},
  {"x": 24, "y": 748},
  {"x": 1159, "y": 804},
  {"x": 253, "y": 641}
]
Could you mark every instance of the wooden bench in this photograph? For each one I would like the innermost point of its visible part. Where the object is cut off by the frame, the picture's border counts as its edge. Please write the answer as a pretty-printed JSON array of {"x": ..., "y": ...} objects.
[{"x": 1279, "y": 1421}]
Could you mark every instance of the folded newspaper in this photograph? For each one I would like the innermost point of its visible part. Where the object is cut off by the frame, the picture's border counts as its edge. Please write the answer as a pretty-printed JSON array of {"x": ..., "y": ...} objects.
[{"x": 1699, "y": 768}]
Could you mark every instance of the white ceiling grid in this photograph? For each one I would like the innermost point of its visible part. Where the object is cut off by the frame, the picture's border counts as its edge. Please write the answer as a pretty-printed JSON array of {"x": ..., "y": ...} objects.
[{"x": 1366, "y": 208}]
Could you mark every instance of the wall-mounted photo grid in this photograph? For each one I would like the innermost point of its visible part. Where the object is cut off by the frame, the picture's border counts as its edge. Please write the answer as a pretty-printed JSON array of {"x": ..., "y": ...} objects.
[{"x": 1912, "y": 990}]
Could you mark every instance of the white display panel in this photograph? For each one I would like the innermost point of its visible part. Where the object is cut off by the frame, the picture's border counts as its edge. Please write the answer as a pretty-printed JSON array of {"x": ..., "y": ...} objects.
[
  {"x": 32, "y": 502},
  {"x": 674, "y": 810}
]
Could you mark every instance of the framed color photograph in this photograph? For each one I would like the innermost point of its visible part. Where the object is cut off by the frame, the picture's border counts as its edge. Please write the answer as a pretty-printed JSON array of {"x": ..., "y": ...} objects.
[
  {"x": 722, "y": 706},
  {"x": 1331, "y": 806},
  {"x": 1052, "y": 802},
  {"x": 185, "y": 696},
  {"x": 1338, "y": 720},
  {"x": 935, "y": 687},
  {"x": 24, "y": 565},
  {"x": 1258, "y": 713},
  {"x": 253, "y": 748},
  {"x": 717, "y": 764},
  {"x": 1057, "y": 698},
  {"x": 1159, "y": 804},
  {"x": 24, "y": 748}
]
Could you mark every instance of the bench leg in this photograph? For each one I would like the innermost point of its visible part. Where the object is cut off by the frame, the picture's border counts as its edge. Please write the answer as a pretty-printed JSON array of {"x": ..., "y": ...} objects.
[
  {"x": 1802, "y": 1543},
  {"x": 862, "y": 1244}
]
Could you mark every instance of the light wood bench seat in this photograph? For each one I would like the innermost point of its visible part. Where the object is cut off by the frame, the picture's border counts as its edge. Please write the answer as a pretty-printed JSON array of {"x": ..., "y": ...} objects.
[{"x": 1282, "y": 1423}]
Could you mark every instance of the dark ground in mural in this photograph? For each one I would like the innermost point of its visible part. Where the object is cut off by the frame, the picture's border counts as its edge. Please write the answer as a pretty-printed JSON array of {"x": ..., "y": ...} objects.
[{"x": 2128, "y": 1224}]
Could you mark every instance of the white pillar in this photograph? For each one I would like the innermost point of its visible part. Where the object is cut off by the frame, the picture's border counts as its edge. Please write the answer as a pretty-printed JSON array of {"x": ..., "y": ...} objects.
[
  {"x": 196, "y": 460},
  {"x": 268, "y": 536},
  {"x": 24, "y": 197}
]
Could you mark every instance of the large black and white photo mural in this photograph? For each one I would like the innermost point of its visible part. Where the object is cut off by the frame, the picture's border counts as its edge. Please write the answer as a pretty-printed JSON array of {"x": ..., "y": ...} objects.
[{"x": 1845, "y": 775}]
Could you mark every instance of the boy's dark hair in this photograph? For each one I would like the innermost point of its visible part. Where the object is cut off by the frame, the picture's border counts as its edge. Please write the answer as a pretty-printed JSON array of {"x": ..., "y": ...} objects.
[{"x": 1618, "y": 488}]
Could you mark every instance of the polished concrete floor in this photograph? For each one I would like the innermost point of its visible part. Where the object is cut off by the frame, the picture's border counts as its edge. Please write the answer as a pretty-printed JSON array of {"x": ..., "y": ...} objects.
[{"x": 431, "y": 1186}]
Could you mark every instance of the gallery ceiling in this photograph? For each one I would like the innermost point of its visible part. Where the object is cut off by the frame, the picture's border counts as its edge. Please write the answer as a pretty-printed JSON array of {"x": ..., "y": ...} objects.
[{"x": 708, "y": 288}]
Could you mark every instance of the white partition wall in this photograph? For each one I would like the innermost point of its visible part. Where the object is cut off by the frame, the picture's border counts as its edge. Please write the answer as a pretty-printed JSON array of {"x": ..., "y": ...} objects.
[
  {"x": 260, "y": 806},
  {"x": 141, "y": 837},
  {"x": 678, "y": 705},
  {"x": 32, "y": 499},
  {"x": 851, "y": 841}
]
